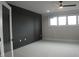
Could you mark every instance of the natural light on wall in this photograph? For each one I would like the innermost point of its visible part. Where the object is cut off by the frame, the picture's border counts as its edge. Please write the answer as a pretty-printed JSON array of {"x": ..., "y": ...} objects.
[{"x": 64, "y": 20}]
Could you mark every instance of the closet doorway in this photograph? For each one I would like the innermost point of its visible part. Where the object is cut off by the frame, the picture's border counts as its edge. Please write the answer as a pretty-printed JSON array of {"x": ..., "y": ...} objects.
[{"x": 6, "y": 45}]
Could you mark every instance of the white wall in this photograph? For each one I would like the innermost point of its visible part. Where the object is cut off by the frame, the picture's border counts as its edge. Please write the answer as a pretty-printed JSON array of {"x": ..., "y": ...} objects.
[{"x": 59, "y": 32}]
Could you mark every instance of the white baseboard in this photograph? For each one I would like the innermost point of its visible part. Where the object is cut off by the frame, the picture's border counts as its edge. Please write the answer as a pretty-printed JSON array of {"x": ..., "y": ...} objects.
[{"x": 54, "y": 39}]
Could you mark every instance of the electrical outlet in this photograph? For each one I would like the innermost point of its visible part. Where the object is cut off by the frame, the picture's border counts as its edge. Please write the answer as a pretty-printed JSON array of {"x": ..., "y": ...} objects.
[
  {"x": 20, "y": 40},
  {"x": 25, "y": 38}
]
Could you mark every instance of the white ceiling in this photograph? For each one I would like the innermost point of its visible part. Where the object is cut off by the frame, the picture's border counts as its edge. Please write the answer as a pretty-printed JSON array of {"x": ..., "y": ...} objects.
[{"x": 42, "y": 6}]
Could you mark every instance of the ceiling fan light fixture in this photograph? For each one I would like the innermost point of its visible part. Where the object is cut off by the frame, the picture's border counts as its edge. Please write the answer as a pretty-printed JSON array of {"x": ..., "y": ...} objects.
[{"x": 61, "y": 7}]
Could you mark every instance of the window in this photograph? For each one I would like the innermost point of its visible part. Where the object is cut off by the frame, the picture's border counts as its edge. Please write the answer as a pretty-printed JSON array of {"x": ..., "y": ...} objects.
[
  {"x": 62, "y": 20},
  {"x": 53, "y": 21},
  {"x": 71, "y": 20}
]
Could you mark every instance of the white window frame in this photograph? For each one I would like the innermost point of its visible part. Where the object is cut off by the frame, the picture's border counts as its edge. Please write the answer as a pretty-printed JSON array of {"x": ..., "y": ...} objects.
[
  {"x": 72, "y": 24},
  {"x": 58, "y": 20},
  {"x": 53, "y": 24},
  {"x": 77, "y": 22}
]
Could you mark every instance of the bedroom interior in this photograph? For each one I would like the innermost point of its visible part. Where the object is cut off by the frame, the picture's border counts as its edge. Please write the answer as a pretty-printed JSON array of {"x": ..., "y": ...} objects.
[{"x": 39, "y": 28}]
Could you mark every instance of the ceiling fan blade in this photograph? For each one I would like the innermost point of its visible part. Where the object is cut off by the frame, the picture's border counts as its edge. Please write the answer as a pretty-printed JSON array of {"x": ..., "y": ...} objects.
[
  {"x": 60, "y": 1},
  {"x": 69, "y": 5}
]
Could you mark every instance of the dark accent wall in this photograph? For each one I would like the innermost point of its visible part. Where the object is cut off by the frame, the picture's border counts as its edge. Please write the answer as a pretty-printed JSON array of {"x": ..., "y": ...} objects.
[{"x": 26, "y": 24}]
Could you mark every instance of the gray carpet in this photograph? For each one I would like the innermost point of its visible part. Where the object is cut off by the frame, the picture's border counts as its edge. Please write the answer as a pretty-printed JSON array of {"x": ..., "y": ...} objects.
[{"x": 48, "y": 49}]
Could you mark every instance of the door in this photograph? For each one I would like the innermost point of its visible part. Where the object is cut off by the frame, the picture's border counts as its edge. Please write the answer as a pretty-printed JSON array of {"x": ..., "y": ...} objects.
[
  {"x": 0, "y": 29},
  {"x": 6, "y": 30}
]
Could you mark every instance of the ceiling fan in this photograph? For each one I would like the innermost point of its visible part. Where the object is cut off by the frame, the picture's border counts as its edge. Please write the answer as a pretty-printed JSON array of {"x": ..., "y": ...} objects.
[{"x": 61, "y": 5}]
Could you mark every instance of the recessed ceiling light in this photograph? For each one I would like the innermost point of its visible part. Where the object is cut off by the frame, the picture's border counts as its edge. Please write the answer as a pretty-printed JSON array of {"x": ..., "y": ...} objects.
[{"x": 48, "y": 11}]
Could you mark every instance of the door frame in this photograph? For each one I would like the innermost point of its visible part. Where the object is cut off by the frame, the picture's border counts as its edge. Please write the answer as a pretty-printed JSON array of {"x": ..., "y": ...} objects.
[{"x": 11, "y": 36}]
